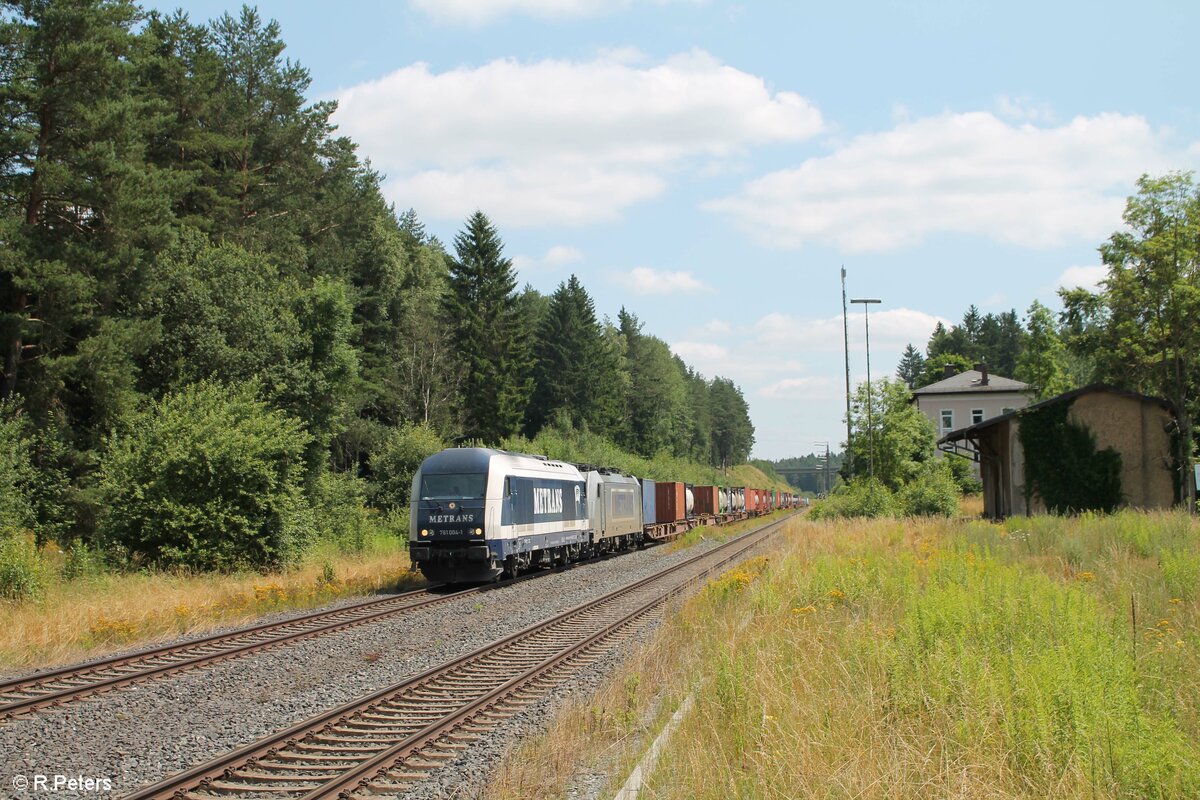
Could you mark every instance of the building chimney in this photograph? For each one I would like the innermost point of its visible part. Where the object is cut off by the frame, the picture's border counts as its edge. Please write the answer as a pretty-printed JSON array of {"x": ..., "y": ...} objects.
[
  {"x": 981, "y": 368},
  {"x": 949, "y": 371}
]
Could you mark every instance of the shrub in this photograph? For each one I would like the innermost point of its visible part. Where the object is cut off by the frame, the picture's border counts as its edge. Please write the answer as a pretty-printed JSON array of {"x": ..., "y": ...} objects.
[
  {"x": 21, "y": 573},
  {"x": 82, "y": 561},
  {"x": 932, "y": 493},
  {"x": 964, "y": 476},
  {"x": 861, "y": 497},
  {"x": 396, "y": 461},
  {"x": 339, "y": 510},
  {"x": 207, "y": 478}
]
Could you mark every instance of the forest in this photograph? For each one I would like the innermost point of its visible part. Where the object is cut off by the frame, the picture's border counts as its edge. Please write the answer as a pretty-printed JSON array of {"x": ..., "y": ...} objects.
[{"x": 219, "y": 342}]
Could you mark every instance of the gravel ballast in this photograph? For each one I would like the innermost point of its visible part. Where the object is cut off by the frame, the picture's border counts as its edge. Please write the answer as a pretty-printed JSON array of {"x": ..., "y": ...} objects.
[{"x": 147, "y": 732}]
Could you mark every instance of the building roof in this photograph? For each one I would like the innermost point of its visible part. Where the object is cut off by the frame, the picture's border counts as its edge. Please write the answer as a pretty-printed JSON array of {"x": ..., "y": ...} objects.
[
  {"x": 965, "y": 433},
  {"x": 968, "y": 382}
]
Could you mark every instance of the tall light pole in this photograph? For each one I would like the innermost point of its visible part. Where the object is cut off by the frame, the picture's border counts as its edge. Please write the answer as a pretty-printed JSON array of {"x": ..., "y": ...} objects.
[
  {"x": 846, "y": 341},
  {"x": 866, "y": 304}
]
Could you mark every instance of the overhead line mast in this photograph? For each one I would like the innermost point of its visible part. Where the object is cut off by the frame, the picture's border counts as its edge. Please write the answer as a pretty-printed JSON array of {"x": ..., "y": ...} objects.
[{"x": 846, "y": 459}]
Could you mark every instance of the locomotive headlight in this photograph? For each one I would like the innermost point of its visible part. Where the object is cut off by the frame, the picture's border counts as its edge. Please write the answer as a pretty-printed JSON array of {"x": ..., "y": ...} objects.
[
  {"x": 424, "y": 532},
  {"x": 479, "y": 531}
]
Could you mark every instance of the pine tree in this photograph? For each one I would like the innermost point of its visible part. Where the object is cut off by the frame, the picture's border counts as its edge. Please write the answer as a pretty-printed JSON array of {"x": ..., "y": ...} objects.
[
  {"x": 575, "y": 368},
  {"x": 489, "y": 333},
  {"x": 732, "y": 431},
  {"x": 939, "y": 342},
  {"x": 972, "y": 332},
  {"x": 657, "y": 399},
  {"x": 268, "y": 142},
  {"x": 911, "y": 365},
  {"x": 80, "y": 210}
]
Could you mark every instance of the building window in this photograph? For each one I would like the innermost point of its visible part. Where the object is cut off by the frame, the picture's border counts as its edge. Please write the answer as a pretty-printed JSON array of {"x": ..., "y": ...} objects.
[
  {"x": 976, "y": 416},
  {"x": 947, "y": 420}
]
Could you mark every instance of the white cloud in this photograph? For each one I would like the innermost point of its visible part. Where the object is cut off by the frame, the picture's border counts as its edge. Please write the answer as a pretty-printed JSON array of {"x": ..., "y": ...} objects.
[
  {"x": 557, "y": 256},
  {"x": 560, "y": 142},
  {"x": 696, "y": 353},
  {"x": 561, "y": 254},
  {"x": 970, "y": 173},
  {"x": 889, "y": 328},
  {"x": 810, "y": 388},
  {"x": 525, "y": 196},
  {"x": 1083, "y": 277},
  {"x": 476, "y": 12},
  {"x": 717, "y": 327},
  {"x": 644, "y": 280}
]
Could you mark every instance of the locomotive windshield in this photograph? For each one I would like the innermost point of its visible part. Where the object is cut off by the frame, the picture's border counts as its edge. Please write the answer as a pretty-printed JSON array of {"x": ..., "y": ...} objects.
[{"x": 452, "y": 487}]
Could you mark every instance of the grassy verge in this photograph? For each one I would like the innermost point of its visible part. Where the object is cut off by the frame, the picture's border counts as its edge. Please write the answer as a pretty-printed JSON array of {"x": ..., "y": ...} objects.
[
  {"x": 1044, "y": 657},
  {"x": 93, "y": 615}
]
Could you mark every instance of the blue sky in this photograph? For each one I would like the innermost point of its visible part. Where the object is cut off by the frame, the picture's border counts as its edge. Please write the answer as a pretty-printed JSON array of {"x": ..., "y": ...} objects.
[{"x": 710, "y": 165}]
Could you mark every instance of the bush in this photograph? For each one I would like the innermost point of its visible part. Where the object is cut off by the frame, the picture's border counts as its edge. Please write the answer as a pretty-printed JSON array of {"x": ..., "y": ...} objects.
[
  {"x": 82, "y": 561},
  {"x": 964, "y": 476},
  {"x": 339, "y": 511},
  {"x": 861, "y": 497},
  {"x": 396, "y": 461},
  {"x": 208, "y": 478},
  {"x": 21, "y": 573},
  {"x": 932, "y": 493}
]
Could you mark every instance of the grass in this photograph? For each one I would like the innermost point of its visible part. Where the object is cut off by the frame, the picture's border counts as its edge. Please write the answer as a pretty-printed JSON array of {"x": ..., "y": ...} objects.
[
  {"x": 99, "y": 613},
  {"x": 1042, "y": 657}
]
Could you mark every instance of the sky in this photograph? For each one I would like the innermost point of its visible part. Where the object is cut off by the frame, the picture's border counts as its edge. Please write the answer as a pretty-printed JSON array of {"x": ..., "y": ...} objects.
[{"x": 710, "y": 166}]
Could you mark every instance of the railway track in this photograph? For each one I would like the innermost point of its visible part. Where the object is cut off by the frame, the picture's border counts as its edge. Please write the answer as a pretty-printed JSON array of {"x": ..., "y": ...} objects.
[
  {"x": 65, "y": 685},
  {"x": 385, "y": 743}
]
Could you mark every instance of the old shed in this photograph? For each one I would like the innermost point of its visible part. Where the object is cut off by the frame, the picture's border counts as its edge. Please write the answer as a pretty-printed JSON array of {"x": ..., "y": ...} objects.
[{"x": 1095, "y": 448}]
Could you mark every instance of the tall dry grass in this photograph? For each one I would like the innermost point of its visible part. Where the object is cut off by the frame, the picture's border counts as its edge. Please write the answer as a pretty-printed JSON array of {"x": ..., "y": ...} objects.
[
  {"x": 923, "y": 658},
  {"x": 94, "y": 615}
]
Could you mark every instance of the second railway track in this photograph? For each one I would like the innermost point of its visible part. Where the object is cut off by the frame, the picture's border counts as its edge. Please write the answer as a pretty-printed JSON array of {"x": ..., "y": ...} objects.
[
  {"x": 386, "y": 742},
  {"x": 64, "y": 685}
]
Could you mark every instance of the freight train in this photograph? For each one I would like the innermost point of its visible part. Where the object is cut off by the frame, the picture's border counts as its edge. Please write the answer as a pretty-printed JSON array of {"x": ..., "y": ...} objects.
[{"x": 477, "y": 514}]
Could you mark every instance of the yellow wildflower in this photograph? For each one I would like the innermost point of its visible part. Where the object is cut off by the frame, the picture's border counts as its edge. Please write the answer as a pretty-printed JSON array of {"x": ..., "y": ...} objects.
[{"x": 1086, "y": 576}]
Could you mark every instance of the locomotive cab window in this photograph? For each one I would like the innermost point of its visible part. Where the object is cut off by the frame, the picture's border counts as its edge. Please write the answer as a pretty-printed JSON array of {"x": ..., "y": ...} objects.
[{"x": 452, "y": 487}]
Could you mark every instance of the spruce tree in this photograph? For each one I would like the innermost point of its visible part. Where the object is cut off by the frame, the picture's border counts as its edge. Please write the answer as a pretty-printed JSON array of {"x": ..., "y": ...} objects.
[
  {"x": 577, "y": 369},
  {"x": 912, "y": 363},
  {"x": 489, "y": 333}
]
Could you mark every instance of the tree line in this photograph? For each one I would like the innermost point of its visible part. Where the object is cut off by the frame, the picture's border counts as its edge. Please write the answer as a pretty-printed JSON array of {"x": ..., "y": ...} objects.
[{"x": 193, "y": 258}]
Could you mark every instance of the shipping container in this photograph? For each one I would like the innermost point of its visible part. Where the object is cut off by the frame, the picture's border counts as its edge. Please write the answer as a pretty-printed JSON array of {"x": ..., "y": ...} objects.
[
  {"x": 670, "y": 500},
  {"x": 648, "y": 502},
  {"x": 708, "y": 501}
]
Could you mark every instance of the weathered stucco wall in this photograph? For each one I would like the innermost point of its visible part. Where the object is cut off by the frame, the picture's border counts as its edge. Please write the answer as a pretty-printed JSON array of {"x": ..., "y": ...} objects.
[{"x": 1138, "y": 431}]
